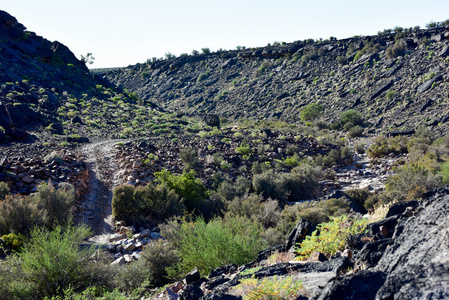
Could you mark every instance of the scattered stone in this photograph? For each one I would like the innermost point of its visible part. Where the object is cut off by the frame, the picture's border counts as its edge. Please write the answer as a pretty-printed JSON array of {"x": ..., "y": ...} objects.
[
  {"x": 119, "y": 261},
  {"x": 317, "y": 256}
]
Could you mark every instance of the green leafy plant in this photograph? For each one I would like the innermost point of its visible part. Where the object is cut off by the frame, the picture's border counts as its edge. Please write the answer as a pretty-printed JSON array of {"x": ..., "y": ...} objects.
[
  {"x": 186, "y": 186},
  {"x": 269, "y": 288},
  {"x": 209, "y": 245},
  {"x": 311, "y": 112},
  {"x": 330, "y": 237}
]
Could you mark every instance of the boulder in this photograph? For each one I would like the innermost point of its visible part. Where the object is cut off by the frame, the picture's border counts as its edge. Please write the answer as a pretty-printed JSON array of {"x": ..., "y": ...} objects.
[
  {"x": 192, "y": 276},
  {"x": 360, "y": 286},
  {"x": 129, "y": 247},
  {"x": 117, "y": 237},
  {"x": 16, "y": 134},
  {"x": 118, "y": 262},
  {"x": 297, "y": 235},
  {"x": 2, "y": 137},
  {"x": 212, "y": 120}
]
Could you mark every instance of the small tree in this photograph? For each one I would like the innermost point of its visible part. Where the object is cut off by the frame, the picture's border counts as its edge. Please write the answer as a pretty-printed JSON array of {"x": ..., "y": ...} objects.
[
  {"x": 88, "y": 59},
  {"x": 205, "y": 51},
  {"x": 311, "y": 111}
]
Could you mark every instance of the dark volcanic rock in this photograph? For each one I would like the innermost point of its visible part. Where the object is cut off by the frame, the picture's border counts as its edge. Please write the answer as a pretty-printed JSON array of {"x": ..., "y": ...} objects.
[
  {"x": 212, "y": 120},
  {"x": 191, "y": 292},
  {"x": 411, "y": 265},
  {"x": 360, "y": 286},
  {"x": 16, "y": 134},
  {"x": 428, "y": 84},
  {"x": 417, "y": 262},
  {"x": 302, "y": 229},
  {"x": 2, "y": 137}
]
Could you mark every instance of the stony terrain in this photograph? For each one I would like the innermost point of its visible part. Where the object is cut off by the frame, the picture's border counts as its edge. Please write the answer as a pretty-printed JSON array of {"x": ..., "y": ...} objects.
[
  {"x": 275, "y": 82},
  {"x": 235, "y": 114},
  {"x": 385, "y": 264}
]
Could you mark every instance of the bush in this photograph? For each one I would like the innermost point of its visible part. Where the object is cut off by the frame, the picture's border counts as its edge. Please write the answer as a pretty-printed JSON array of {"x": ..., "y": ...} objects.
[
  {"x": 383, "y": 146},
  {"x": 189, "y": 157},
  {"x": 151, "y": 201},
  {"x": 186, "y": 186},
  {"x": 321, "y": 211},
  {"x": 202, "y": 76},
  {"x": 20, "y": 214},
  {"x": 273, "y": 288},
  {"x": 311, "y": 112},
  {"x": 123, "y": 203},
  {"x": 355, "y": 131},
  {"x": 410, "y": 181},
  {"x": 351, "y": 117},
  {"x": 13, "y": 241},
  {"x": 359, "y": 147},
  {"x": 156, "y": 258},
  {"x": 243, "y": 150},
  {"x": 57, "y": 203},
  {"x": 217, "y": 243},
  {"x": 398, "y": 49},
  {"x": 53, "y": 261},
  {"x": 300, "y": 183},
  {"x": 330, "y": 237},
  {"x": 4, "y": 190},
  {"x": 342, "y": 60}
]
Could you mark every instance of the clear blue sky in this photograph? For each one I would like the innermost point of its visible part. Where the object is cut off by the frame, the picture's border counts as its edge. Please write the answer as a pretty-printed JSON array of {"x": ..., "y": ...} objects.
[{"x": 120, "y": 33}]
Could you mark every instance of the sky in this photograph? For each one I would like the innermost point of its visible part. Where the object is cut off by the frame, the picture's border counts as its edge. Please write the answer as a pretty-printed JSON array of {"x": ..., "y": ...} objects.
[{"x": 122, "y": 33}]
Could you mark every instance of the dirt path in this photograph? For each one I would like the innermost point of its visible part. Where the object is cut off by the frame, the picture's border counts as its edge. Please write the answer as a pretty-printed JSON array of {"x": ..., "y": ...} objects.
[{"x": 97, "y": 209}]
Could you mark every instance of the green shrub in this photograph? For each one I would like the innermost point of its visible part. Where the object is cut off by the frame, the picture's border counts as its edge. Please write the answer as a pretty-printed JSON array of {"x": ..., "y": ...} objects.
[
  {"x": 300, "y": 183},
  {"x": 54, "y": 157},
  {"x": 20, "y": 214},
  {"x": 273, "y": 288},
  {"x": 351, "y": 117},
  {"x": 383, "y": 146},
  {"x": 390, "y": 94},
  {"x": 359, "y": 147},
  {"x": 398, "y": 49},
  {"x": 13, "y": 241},
  {"x": 57, "y": 203},
  {"x": 123, "y": 203},
  {"x": 445, "y": 173},
  {"x": 157, "y": 257},
  {"x": 186, "y": 186},
  {"x": 342, "y": 60},
  {"x": 291, "y": 161},
  {"x": 410, "y": 181},
  {"x": 202, "y": 76},
  {"x": 243, "y": 150},
  {"x": 311, "y": 112},
  {"x": 51, "y": 261},
  {"x": 209, "y": 245},
  {"x": 189, "y": 157},
  {"x": 4, "y": 190},
  {"x": 321, "y": 211},
  {"x": 355, "y": 131},
  {"x": 330, "y": 237}
]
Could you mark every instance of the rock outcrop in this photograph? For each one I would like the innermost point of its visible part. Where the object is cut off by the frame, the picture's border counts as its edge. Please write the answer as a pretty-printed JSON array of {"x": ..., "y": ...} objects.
[{"x": 412, "y": 264}]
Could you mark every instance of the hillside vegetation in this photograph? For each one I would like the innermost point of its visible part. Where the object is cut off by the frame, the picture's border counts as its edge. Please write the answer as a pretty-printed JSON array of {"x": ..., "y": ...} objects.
[{"x": 308, "y": 170}]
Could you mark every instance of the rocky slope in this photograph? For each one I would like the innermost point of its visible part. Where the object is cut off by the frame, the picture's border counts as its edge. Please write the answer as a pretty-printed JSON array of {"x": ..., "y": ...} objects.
[
  {"x": 399, "y": 81},
  {"x": 402, "y": 257}
]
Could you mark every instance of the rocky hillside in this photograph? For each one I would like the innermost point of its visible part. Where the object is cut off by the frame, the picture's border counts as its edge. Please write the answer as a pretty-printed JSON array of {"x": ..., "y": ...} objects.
[
  {"x": 47, "y": 92},
  {"x": 402, "y": 257},
  {"x": 398, "y": 80}
]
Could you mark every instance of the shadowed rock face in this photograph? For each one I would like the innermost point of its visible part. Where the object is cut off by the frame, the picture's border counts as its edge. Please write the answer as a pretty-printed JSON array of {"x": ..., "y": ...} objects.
[{"x": 415, "y": 263}]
